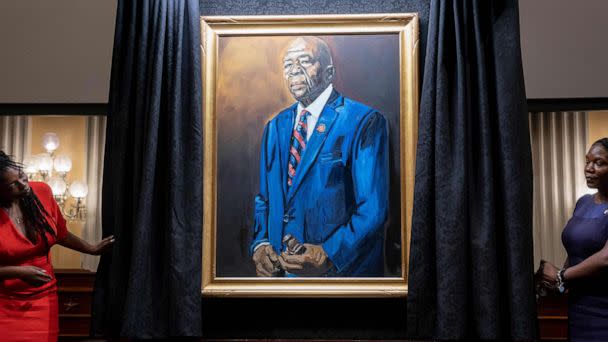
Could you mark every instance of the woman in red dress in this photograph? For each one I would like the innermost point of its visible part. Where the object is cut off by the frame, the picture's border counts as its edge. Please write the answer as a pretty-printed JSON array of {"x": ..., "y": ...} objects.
[{"x": 30, "y": 223}]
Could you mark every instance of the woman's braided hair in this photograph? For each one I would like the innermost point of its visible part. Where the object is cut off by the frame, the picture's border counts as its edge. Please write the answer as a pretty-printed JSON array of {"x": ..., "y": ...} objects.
[{"x": 36, "y": 223}]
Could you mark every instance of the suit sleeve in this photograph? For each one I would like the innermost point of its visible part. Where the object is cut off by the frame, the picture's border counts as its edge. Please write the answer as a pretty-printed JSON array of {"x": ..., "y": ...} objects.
[
  {"x": 370, "y": 176},
  {"x": 260, "y": 224}
]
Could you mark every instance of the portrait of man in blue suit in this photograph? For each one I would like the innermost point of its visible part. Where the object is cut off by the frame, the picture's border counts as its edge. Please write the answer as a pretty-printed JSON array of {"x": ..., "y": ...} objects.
[{"x": 324, "y": 177}]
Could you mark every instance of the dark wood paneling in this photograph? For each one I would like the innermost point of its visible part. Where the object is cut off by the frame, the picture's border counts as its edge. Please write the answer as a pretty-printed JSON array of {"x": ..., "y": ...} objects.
[
  {"x": 553, "y": 318},
  {"x": 75, "y": 288},
  {"x": 75, "y": 291},
  {"x": 71, "y": 303}
]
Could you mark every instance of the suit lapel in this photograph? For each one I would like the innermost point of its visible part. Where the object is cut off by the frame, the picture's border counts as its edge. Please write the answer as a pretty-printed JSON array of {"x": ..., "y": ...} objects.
[
  {"x": 285, "y": 130},
  {"x": 326, "y": 119}
]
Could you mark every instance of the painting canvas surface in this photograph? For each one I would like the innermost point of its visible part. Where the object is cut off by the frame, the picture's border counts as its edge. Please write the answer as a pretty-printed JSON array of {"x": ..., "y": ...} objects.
[{"x": 251, "y": 91}]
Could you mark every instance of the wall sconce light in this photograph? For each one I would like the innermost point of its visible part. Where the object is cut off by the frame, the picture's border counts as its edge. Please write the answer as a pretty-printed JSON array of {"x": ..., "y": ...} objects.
[{"x": 40, "y": 167}]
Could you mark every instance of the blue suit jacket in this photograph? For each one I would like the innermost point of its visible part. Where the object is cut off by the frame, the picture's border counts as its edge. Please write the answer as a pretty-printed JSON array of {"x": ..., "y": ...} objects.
[{"x": 339, "y": 196}]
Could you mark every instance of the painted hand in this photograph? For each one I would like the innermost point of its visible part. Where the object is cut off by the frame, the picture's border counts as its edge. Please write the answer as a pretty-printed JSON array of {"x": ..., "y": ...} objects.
[
  {"x": 312, "y": 263},
  {"x": 265, "y": 260}
]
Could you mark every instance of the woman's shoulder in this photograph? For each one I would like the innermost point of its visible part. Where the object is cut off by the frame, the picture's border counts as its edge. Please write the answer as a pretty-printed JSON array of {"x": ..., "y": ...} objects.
[
  {"x": 582, "y": 202},
  {"x": 586, "y": 207},
  {"x": 585, "y": 198},
  {"x": 41, "y": 189}
]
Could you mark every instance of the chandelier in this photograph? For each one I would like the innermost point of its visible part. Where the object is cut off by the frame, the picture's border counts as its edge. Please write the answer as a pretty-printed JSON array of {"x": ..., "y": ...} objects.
[{"x": 53, "y": 170}]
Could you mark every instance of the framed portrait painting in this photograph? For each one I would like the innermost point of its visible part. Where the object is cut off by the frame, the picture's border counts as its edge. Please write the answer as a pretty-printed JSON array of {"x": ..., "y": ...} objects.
[{"x": 310, "y": 129}]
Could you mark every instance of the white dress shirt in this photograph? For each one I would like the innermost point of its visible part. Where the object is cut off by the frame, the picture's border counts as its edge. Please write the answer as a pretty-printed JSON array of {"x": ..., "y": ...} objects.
[{"x": 315, "y": 109}]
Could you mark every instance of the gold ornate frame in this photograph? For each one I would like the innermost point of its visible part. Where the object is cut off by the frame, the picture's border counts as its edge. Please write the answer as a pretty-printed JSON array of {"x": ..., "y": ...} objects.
[{"x": 406, "y": 26}]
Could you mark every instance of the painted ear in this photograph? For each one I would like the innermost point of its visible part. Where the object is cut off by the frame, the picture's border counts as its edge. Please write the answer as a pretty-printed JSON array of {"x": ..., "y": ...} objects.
[{"x": 330, "y": 73}]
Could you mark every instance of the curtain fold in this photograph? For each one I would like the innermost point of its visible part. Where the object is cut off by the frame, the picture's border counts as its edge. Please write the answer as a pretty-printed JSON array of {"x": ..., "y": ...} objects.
[
  {"x": 15, "y": 135},
  {"x": 96, "y": 140},
  {"x": 149, "y": 285},
  {"x": 471, "y": 261},
  {"x": 559, "y": 143}
]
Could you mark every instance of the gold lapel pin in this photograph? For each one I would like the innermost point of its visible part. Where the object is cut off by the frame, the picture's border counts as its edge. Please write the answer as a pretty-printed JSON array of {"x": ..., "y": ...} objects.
[{"x": 321, "y": 128}]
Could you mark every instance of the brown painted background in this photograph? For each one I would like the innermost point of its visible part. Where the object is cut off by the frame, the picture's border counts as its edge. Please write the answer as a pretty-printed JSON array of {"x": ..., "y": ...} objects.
[{"x": 251, "y": 90}]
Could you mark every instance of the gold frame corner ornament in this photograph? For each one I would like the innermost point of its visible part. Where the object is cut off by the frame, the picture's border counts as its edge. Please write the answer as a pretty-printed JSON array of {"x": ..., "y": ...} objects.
[{"x": 214, "y": 27}]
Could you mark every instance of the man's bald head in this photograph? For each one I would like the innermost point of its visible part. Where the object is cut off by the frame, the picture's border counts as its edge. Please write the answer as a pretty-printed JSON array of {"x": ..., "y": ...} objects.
[
  {"x": 308, "y": 68},
  {"x": 317, "y": 45}
]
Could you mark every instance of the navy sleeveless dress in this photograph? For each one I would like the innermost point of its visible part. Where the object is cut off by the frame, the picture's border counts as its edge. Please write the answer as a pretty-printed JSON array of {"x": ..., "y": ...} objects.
[{"x": 585, "y": 234}]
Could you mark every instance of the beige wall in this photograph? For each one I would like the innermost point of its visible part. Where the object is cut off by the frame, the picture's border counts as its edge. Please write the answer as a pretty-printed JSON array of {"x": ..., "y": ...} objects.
[
  {"x": 564, "y": 48},
  {"x": 56, "y": 51},
  {"x": 60, "y": 51},
  {"x": 71, "y": 131},
  {"x": 598, "y": 126}
]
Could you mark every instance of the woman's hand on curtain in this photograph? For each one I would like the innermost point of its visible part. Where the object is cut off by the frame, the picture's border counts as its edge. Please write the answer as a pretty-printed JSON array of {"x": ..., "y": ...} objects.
[
  {"x": 72, "y": 241},
  {"x": 103, "y": 245}
]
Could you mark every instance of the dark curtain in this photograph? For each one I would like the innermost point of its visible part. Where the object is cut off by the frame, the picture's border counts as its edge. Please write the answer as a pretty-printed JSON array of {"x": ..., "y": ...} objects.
[
  {"x": 309, "y": 318},
  {"x": 471, "y": 261},
  {"x": 148, "y": 286}
]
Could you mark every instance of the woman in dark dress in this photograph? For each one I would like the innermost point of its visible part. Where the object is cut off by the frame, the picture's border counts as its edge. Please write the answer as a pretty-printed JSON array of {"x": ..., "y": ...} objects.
[
  {"x": 30, "y": 223},
  {"x": 585, "y": 273}
]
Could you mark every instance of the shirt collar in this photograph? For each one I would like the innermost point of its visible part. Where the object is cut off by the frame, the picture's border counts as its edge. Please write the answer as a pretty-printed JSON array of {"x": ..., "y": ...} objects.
[{"x": 316, "y": 107}]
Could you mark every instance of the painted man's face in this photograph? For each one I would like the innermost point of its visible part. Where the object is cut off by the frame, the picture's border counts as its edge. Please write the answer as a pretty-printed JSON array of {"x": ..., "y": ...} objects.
[{"x": 303, "y": 70}]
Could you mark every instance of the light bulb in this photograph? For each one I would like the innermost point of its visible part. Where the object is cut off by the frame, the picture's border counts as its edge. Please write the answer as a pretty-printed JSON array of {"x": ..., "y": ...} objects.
[
  {"x": 63, "y": 163},
  {"x": 30, "y": 165},
  {"x": 57, "y": 185},
  {"x": 79, "y": 189},
  {"x": 45, "y": 162},
  {"x": 50, "y": 142}
]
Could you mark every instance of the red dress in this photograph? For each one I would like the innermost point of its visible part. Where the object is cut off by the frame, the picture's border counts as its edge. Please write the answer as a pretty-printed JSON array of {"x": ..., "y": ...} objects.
[{"x": 29, "y": 313}]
